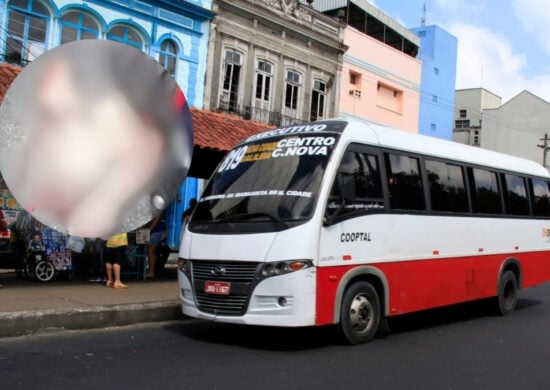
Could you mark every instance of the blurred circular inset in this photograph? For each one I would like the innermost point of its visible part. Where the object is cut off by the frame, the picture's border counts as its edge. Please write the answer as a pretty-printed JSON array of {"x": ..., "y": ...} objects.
[{"x": 95, "y": 138}]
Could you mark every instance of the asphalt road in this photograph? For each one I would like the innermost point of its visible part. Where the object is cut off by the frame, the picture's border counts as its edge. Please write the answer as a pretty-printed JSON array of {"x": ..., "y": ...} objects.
[{"x": 461, "y": 347}]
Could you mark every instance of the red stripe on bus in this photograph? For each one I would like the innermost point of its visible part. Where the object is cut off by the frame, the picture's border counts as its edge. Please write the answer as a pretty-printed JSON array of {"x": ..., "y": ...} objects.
[{"x": 424, "y": 284}]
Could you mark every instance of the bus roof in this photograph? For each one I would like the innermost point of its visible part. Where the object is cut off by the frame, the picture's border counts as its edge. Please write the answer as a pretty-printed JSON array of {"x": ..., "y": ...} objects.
[{"x": 373, "y": 134}]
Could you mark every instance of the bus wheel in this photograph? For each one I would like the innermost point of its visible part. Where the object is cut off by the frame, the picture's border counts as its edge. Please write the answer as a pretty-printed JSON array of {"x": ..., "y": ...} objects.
[
  {"x": 360, "y": 313},
  {"x": 507, "y": 298}
]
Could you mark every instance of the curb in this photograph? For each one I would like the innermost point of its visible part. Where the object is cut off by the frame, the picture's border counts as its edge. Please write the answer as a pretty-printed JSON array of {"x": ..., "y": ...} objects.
[{"x": 24, "y": 323}]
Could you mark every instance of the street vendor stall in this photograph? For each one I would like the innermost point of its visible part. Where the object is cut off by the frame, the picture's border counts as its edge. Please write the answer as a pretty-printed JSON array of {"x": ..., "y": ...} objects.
[{"x": 27, "y": 244}]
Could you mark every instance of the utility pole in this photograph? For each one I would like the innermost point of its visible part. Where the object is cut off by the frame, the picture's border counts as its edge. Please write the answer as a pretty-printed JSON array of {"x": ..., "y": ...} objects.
[
  {"x": 423, "y": 18},
  {"x": 545, "y": 148}
]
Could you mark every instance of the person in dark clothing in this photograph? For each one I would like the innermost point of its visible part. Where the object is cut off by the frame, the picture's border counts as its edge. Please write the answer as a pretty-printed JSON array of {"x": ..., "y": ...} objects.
[
  {"x": 98, "y": 275},
  {"x": 156, "y": 234}
]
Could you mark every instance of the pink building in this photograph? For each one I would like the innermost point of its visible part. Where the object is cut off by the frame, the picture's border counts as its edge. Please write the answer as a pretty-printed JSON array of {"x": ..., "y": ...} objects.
[{"x": 380, "y": 79}]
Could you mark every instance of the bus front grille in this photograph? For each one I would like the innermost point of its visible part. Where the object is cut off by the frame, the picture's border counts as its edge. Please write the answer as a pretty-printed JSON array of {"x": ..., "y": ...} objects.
[
  {"x": 226, "y": 271},
  {"x": 222, "y": 304},
  {"x": 240, "y": 276}
]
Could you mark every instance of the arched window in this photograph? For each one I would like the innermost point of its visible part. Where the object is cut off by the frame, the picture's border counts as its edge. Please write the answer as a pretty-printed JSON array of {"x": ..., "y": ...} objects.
[
  {"x": 27, "y": 30},
  {"x": 168, "y": 56},
  {"x": 125, "y": 34},
  {"x": 77, "y": 25}
]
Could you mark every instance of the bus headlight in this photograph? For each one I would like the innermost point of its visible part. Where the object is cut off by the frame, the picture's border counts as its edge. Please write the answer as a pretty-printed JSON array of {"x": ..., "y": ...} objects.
[{"x": 283, "y": 267}]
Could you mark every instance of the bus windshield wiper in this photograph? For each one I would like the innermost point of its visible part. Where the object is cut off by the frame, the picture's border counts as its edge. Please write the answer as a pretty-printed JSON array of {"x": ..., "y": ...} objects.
[{"x": 246, "y": 216}]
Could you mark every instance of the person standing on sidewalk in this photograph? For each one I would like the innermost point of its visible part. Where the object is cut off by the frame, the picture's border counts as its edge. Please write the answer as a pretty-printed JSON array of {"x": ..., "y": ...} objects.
[
  {"x": 156, "y": 232},
  {"x": 114, "y": 255},
  {"x": 97, "y": 274}
]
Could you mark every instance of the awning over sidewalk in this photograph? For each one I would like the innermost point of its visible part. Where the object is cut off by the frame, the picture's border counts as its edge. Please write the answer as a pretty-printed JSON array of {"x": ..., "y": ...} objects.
[{"x": 215, "y": 133}]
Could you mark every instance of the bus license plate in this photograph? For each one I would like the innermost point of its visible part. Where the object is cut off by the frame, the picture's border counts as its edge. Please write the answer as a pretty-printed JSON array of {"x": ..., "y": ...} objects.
[{"x": 218, "y": 288}]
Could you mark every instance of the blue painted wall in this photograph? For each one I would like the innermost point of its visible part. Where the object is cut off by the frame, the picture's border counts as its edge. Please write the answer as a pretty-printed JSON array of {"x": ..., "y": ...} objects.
[{"x": 438, "y": 53}]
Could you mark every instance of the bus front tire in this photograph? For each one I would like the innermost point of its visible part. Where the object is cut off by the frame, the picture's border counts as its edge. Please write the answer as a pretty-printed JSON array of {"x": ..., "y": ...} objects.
[
  {"x": 360, "y": 313},
  {"x": 507, "y": 297}
]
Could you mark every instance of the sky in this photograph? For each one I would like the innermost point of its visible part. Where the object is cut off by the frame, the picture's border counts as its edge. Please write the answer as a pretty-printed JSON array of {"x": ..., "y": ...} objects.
[{"x": 503, "y": 45}]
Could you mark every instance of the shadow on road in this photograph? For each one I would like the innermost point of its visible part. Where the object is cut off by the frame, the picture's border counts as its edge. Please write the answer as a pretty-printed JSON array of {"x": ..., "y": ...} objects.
[
  {"x": 257, "y": 337},
  {"x": 298, "y": 339},
  {"x": 451, "y": 314}
]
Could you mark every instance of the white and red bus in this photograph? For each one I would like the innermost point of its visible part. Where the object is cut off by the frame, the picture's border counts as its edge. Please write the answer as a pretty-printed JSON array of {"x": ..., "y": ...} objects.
[{"x": 348, "y": 223}]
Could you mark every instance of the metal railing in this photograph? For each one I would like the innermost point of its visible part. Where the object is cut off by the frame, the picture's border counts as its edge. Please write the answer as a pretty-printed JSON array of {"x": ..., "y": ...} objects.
[{"x": 257, "y": 114}]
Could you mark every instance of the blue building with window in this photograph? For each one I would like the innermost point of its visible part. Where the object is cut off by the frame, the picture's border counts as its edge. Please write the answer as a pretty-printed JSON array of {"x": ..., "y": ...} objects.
[
  {"x": 438, "y": 53},
  {"x": 174, "y": 32}
]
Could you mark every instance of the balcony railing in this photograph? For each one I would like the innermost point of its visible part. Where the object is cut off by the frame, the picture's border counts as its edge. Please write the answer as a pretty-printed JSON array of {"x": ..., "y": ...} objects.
[{"x": 256, "y": 114}]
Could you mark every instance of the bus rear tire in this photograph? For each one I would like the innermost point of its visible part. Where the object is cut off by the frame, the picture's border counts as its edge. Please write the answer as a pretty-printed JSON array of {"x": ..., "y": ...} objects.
[
  {"x": 360, "y": 313},
  {"x": 507, "y": 297}
]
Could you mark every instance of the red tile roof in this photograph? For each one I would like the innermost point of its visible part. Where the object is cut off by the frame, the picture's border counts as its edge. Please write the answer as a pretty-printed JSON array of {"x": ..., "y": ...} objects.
[
  {"x": 221, "y": 131},
  {"x": 211, "y": 130},
  {"x": 7, "y": 74}
]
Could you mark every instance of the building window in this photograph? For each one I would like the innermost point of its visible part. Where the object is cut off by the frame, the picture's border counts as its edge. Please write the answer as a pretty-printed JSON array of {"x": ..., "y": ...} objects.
[
  {"x": 355, "y": 84},
  {"x": 125, "y": 34},
  {"x": 231, "y": 78},
  {"x": 436, "y": 71},
  {"x": 263, "y": 80},
  {"x": 168, "y": 56},
  {"x": 27, "y": 30},
  {"x": 434, "y": 98},
  {"x": 355, "y": 79},
  {"x": 292, "y": 90},
  {"x": 462, "y": 113},
  {"x": 318, "y": 97},
  {"x": 389, "y": 97},
  {"x": 462, "y": 124},
  {"x": 422, "y": 33},
  {"x": 77, "y": 25}
]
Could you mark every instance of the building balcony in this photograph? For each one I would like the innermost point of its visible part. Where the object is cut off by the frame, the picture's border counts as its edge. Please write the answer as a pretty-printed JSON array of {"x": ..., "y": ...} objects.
[{"x": 257, "y": 114}]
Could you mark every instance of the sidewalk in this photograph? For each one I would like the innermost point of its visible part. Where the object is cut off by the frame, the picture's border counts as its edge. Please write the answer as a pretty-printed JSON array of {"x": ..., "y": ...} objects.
[{"x": 27, "y": 306}]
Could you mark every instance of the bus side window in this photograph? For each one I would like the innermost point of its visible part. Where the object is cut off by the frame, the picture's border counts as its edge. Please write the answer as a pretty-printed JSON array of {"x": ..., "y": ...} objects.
[
  {"x": 358, "y": 185},
  {"x": 485, "y": 192},
  {"x": 541, "y": 194},
  {"x": 447, "y": 187},
  {"x": 405, "y": 183},
  {"x": 517, "y": 202}
]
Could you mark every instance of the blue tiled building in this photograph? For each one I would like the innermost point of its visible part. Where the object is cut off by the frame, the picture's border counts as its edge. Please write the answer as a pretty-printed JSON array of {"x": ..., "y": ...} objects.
[
  {"x": 173, "y": 32},
  {"x": 438, "y": 53}
]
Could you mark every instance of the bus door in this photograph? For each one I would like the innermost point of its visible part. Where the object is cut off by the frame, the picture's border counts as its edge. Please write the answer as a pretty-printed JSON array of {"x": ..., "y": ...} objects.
[{"x": 350, "y": 229}]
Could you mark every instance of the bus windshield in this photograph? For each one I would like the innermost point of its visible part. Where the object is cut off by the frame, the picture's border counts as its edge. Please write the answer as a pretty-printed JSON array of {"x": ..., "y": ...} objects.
[{"x": 268, "y": 184}]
